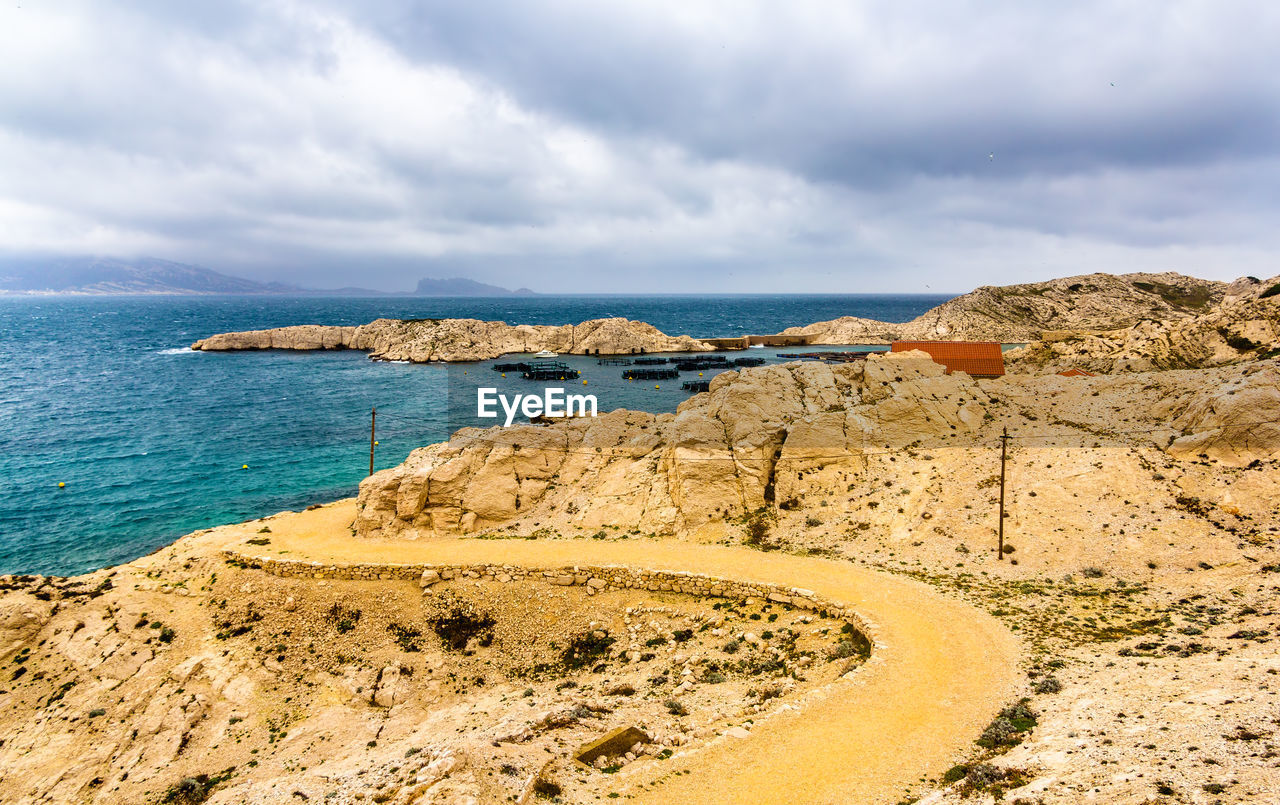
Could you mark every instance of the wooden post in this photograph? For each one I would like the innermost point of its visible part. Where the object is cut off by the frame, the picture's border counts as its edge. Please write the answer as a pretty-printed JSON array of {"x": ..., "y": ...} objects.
[
  {"x": 373, "y": 429},
  {"x": 1004, "y": 443}
]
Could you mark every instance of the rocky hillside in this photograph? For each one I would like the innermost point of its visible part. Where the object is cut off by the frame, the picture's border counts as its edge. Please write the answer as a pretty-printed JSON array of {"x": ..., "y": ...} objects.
[
  {"x": 1017, "y": 313},
  {"x": 1242, "y": 325},
  {"x": 422, "y": 340},
  {"x": 184, "y": 678},
  {"x": 106, "y": 275},
  {"x": 882, "y": 443}
]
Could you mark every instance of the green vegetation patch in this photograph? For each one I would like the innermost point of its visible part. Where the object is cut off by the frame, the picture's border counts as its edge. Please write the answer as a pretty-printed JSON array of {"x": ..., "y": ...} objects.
[
  {"x": 406, "y": 636},
  {"x": 343, "y": 618},
  {"x": 1197, "y": 297},
  {"x": 195, "y": 790},
  {"x": 459, "y": 623},
  {"x": 586, "y": 649}
]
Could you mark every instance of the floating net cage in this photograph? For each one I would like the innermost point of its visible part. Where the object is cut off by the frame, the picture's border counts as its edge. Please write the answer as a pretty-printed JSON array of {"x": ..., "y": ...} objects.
[
  {"x": 828, "y": 357},
  {"x": 700, "y": 364},
  {"x": 550, "y": 370},
  {"x": 650, "y": 374}
]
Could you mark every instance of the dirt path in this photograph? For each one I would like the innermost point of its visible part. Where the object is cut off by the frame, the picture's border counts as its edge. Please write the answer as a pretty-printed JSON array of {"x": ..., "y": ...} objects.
[{"x": 939, "y": 672}]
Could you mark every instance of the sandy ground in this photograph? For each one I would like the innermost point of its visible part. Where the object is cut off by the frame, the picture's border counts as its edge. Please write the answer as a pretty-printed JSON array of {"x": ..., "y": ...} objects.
[{"x": 940, "y": 670}]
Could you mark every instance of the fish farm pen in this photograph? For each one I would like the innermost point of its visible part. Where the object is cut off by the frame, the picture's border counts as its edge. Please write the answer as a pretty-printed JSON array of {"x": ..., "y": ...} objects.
[
  {"x": 829, "y": 357},
  {"x": 650, "y": 374},
  {"x": 649, "y": 361},
  {"x": 512, "y": 367},
  {"x": 696, "y": 385},
  {"x": 614, "y": 362},
  {"x": 551, "y": 370},
  {"x": 698, "y": 364},
  {"x": 748, "y": 362}
]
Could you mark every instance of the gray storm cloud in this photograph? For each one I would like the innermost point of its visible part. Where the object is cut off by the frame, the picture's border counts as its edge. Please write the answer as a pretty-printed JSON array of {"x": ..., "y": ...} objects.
[{"x": 691, "y": 146}]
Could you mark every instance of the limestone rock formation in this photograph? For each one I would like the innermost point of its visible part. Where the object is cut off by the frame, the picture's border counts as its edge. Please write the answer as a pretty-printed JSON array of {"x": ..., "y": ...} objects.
[
  {"x": 21, "y": 616},
  {"x": 1017, "y": 313},
  {"x": 762, "y": 439},
  {"x": 303, "y": 336},
  {"x": 1235, "y": 424},
  {"x": 1243, "y": 325},
  {"x": 422, "y": 340}
]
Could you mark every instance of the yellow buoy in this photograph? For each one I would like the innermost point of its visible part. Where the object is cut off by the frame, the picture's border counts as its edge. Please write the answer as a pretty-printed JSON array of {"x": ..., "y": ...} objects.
[
  {"x": 244, "y": 466},
  {"x": 584, "y": 382},
  {"x": 504, "y": 374},
  {"x": 375, "y": 444},
  {"x": 655, "y": 386},
  {"x": 62, "y": 484},
  {"x": 699, "y": 374}
]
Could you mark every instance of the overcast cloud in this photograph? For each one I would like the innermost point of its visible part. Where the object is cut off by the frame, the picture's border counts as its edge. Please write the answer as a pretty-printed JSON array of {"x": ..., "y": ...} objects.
[{"x": 669, "y": 145}]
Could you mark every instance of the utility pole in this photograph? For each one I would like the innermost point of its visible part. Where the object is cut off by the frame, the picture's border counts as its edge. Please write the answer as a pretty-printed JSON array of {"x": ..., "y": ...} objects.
[
  {"x": 1004, "y": 444},
  {"x": 373, "y": 429}
]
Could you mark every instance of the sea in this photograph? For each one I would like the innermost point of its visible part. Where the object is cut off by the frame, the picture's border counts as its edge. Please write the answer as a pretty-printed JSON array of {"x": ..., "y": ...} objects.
[{"x": 116, "y": 438}]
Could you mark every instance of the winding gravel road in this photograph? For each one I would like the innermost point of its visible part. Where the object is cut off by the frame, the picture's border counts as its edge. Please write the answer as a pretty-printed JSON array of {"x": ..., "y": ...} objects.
[{"x": 940, "y": 669}]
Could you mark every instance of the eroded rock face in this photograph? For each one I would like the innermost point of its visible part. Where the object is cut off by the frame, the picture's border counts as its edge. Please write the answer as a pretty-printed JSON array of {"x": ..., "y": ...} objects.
[
  {"x": 1017, "y": 313},
  {"x": 752, "y": 440},
  {"x": 1244, "y": 325},
  {"x": 304, "y": 336},
  {"x": 1234, "y": 424},
  {"x": 21, "y": 616},
  {"x": 422, "y": 340},
  {"x": 775, "y": 435}
]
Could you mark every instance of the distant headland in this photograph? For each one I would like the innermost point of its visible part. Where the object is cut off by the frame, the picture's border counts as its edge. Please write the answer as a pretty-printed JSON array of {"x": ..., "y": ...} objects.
[{"x": 102, "y": 276}]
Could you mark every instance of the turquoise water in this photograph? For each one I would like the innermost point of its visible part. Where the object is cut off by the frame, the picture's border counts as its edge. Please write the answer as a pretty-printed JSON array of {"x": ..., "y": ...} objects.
[{"x": 102, "y": 394}]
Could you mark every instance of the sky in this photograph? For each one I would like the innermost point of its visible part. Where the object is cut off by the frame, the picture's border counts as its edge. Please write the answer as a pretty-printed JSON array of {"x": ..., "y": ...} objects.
[{"x": 664, "y": 145}]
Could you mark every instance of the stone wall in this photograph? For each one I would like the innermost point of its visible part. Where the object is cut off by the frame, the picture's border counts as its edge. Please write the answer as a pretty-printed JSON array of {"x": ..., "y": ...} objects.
[{"x": 592, "y": 578}]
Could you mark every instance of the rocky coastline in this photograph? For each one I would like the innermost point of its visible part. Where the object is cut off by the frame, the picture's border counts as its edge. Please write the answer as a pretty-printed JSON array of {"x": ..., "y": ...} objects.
[
  {"x": 425, "y": 340},
  {"x": 1099, "y": 322}
]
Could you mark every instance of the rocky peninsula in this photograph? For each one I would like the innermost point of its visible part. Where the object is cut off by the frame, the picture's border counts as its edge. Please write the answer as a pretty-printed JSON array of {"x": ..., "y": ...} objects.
[{"x": 424, "y": 340}]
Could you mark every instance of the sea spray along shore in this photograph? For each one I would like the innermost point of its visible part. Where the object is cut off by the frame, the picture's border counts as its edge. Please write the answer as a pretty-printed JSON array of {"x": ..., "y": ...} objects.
[{"x": 787, "y": 589}]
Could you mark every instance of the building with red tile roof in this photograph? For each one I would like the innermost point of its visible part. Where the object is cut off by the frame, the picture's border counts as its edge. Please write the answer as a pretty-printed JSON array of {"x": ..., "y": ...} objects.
[{"x": 974, "y": 358}]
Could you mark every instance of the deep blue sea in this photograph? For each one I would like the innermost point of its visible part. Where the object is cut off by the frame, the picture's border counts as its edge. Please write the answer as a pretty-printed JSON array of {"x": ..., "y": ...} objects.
[{"x": 102, "y": 394}]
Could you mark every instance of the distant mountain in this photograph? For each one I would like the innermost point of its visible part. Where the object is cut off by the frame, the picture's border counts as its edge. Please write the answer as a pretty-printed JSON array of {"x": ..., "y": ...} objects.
[
  {"x": 105, "y": 275},
  {"x": 148, "y": 275},
  {"x": 459, "y": 286}
]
